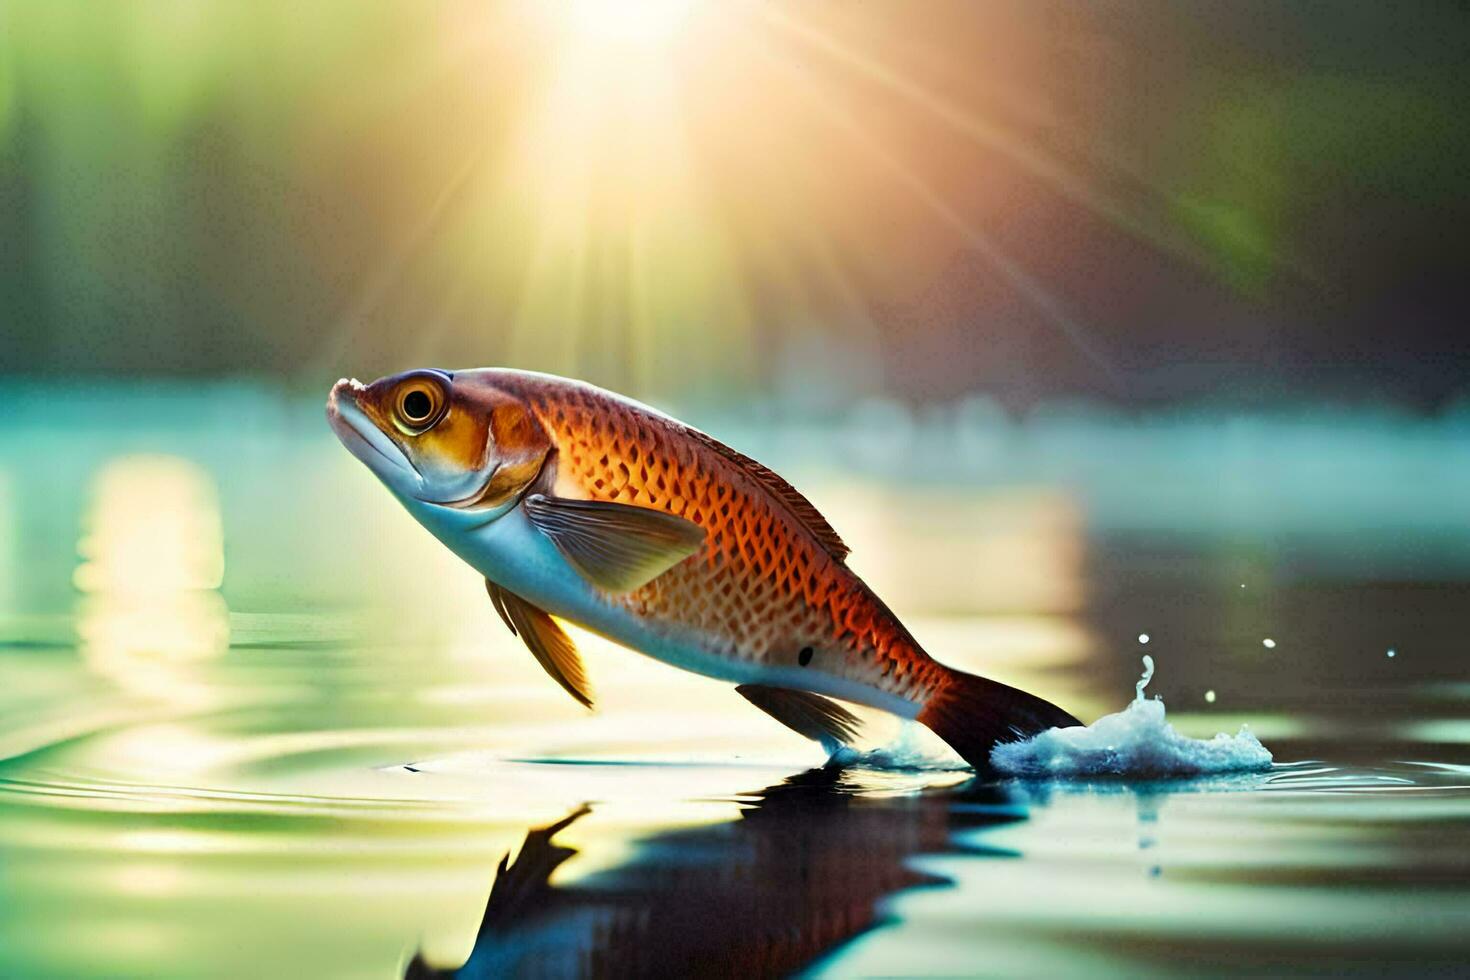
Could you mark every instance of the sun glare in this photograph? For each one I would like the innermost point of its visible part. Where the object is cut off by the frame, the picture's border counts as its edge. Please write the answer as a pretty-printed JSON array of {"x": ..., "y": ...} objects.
[
  {"x": 620, "y": 229},
  {"x": 638, "y": 23},
  {"x": 670, "y": 191}
]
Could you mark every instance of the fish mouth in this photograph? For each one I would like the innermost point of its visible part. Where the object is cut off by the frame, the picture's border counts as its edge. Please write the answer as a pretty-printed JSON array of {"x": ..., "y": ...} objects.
[{"x": 364, "y": 439}]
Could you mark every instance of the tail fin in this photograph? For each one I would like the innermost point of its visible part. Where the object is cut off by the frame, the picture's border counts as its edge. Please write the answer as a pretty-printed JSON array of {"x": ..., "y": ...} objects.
[{"x": 972, "y": 714}]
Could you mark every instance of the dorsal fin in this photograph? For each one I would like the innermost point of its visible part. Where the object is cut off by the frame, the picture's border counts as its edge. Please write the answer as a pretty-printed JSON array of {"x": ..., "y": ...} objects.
[{"x": 800, "y": 508}]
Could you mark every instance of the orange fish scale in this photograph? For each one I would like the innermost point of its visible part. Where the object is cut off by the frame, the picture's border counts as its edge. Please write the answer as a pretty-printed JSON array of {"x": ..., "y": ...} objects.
[{"x": 763, "y": 586}]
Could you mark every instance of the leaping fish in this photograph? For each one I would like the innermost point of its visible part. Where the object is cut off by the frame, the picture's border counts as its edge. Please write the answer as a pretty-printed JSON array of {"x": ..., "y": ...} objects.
[{"x": 580, "y": 504}]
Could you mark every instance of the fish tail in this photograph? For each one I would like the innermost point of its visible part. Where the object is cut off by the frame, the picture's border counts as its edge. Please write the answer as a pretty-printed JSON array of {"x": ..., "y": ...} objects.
[{"x": 973, "y": 714}]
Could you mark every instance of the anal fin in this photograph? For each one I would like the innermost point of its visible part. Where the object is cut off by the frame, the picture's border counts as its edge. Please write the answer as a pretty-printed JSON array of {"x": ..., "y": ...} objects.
[
  {"x": 548, "y": 643},
  {"x": 809, "y": 715}
]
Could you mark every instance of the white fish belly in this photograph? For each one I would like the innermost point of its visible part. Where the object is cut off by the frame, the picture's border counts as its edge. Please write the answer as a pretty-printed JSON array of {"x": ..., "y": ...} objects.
[{"x": 514, "y": 555}]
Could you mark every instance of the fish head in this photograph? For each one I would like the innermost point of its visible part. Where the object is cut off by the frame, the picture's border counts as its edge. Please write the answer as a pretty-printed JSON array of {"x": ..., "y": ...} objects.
[{"x": 441, "y": 440}]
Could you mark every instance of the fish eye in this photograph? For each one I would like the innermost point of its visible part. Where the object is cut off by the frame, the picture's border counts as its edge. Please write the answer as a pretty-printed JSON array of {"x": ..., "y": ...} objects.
[
  {"x": 417, "y": 406},
  {"x": 420, "y": 403}
]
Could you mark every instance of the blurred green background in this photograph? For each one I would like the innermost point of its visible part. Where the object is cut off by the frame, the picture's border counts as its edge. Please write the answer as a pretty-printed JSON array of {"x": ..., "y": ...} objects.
[{"x": 1134, "y": 202}]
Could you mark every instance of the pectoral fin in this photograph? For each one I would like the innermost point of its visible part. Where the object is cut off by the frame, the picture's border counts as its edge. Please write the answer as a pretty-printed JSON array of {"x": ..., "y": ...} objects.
[
  {"x": 551, "y": 647},
  {"x": 809, "y": 715},
  {"x": 618, "y": 547}
]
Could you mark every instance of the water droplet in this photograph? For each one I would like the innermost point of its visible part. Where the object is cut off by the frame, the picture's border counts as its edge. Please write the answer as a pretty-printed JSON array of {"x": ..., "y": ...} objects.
[
  {"x": 1268, "y": 643},
  {"x": 1142, "y": 637},
  {"x": 1210, "y": 696}
]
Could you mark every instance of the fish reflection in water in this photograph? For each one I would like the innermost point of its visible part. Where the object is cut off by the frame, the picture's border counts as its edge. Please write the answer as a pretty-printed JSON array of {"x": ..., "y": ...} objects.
[{"x": 805, "y": 869}]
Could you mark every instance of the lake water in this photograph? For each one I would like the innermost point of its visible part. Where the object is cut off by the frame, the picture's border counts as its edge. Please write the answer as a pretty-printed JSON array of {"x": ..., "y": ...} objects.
[{"x": 254, "y": 722}]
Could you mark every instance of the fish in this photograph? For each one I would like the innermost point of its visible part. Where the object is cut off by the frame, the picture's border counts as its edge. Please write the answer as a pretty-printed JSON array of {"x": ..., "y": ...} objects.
[{"x": 580, "y": 505}]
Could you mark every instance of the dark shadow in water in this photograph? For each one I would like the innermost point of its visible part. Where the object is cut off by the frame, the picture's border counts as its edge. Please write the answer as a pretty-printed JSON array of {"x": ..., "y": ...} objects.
[{"x": 805, "y": 869}]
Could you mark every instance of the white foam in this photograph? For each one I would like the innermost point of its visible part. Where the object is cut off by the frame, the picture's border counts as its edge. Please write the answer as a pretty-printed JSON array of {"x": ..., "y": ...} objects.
[
  {"x": 1136, "y": 742},
  {"x": 908, "y": 752}
]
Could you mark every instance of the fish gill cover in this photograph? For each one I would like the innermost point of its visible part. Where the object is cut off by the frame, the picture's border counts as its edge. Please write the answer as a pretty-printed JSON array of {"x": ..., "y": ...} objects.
[{"x": 1136, "y": 742}]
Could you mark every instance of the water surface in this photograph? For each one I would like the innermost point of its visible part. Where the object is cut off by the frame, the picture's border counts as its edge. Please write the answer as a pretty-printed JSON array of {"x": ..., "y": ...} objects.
[{"x": 255, "y": 722}]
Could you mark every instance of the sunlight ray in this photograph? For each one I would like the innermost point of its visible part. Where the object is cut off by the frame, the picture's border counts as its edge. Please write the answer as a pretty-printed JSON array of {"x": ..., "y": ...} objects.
[
  {"x": 1025, "y": 284},
  {"x": 991, "y": 135},
  {"x": 372, "y": 293},
  {"x": 626, "y": 253}
]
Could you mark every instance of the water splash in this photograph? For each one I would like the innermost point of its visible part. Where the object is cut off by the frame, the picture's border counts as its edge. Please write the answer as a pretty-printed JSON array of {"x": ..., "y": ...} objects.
[
  {"x": 909, "y": 751},
  {"x": 1137, "y": 743}
]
